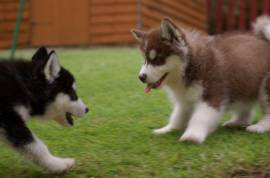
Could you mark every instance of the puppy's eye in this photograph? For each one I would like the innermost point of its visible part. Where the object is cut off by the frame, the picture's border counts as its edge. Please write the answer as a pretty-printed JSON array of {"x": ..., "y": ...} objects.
[
  {"x": 73, "y": 95},
  {"x": 152, "y": 54}
]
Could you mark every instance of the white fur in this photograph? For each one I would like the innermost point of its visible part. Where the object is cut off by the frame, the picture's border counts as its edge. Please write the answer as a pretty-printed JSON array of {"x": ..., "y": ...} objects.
[
  {"x": 22, "y": 111},
  {"x": 74, "y": 86},
  {"x": 183, "y": 99},
  {"x": 264, "y": 124},
  {"x": 39, "y": 152},
  {"x": 267, "y": 32},
  {"x": 154, "y": 73},
  {"x": 77, "y": 108},
  {"x": 63, "y": 104},
  {"x": 52, "y": 68},
  {"x": 152, "y": 54},
  {"x": 262, "y": 26},
  {"x": 203, "y": 121}
]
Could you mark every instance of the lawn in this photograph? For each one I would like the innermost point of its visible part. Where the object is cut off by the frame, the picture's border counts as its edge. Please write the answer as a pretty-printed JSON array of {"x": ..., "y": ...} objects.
[{"x": 115, "y": 139}]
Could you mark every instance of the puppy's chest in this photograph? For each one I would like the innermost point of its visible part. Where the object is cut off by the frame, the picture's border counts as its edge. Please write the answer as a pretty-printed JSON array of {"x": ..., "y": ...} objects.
[{"x": 190, "y": 94}]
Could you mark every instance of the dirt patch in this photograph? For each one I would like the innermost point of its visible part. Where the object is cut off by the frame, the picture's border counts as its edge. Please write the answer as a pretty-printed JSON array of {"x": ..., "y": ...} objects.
[{"x": 258, "y": 172}]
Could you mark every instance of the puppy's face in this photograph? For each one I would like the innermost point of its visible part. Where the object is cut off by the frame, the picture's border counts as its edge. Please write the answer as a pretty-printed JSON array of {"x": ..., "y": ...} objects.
[
  {"x": 61, "y": 99},
  {"x": 164, "y": 50}
]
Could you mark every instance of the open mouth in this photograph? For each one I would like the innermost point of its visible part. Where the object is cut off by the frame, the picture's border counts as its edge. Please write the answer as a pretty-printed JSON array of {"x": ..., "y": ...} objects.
[
  {"x": 69, "y": 119},
  {"x": 155, "y": 85}
]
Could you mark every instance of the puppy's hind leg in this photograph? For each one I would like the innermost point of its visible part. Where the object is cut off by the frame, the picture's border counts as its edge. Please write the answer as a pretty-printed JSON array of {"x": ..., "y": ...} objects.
[
  {"x": 21, "y": 138},
  {"x": 264, "y": 124},
  {"x": 241, "y": 118}
]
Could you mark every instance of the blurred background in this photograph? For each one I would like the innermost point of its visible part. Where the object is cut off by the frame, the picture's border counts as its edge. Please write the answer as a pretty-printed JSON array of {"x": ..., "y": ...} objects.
[{"x": 108, "y": 22}]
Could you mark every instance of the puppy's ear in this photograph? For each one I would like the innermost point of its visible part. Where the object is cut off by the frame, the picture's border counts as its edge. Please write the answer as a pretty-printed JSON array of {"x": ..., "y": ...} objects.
[
  {"x": 52, "y": 67},
  {"x": 170, "y": 32},
  {"x": 40, "y": 54},
  {"x": 139, "y": 35}
]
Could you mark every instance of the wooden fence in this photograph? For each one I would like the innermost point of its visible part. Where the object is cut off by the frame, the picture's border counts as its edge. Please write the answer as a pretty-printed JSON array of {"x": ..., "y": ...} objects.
[
  {"x": 8, "y": 13},
  {"x": 186, "y": 13},
  {"x": 111, "y": 21},
  {"x": 92, "y": 22},
  {"x": 234, "y": 14}
]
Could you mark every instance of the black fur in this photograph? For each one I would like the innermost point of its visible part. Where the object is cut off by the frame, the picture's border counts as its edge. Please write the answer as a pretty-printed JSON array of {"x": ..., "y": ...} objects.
[{"x": 24, "y": 83}]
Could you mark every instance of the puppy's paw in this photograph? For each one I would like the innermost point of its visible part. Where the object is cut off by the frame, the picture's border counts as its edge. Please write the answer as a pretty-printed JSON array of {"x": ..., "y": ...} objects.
[
  {"x": 163, "y": 130},
  {"x": 257, "y": 128},
  {"x": 193, "y": 137},
  {"x": 235, "y": 123},
  {"x": 59, "y": 165}
]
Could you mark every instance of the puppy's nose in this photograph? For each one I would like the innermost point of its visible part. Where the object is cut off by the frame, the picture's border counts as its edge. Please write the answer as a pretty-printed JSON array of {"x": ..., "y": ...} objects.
[
  {"x": 86, "y": 110},
  {"x": 143, "y": 77}
]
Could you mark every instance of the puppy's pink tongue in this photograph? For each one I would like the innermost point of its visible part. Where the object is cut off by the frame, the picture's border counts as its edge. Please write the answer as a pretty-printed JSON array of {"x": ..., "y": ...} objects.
[{"x": 147, "y": 88}]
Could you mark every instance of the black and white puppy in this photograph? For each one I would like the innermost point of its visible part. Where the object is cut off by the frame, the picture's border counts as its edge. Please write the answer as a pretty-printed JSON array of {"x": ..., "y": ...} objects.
[{"x": 41, "y": 88}]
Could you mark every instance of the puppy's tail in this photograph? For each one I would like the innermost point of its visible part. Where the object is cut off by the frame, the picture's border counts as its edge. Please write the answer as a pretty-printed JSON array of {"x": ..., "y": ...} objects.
[{"x": 261, "y": 27}]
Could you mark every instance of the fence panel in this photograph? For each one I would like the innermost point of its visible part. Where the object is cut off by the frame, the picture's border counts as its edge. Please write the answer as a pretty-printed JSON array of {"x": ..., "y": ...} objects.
[
  {"x": 8, "y": 14},
  {"x": 228, "y": 15}
]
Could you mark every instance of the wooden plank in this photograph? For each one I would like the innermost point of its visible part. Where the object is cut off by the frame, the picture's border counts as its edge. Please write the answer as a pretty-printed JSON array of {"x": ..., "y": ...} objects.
[
  {"x": 8, "y": 15},
  {"x": 60, "y": 22},
  {"x": 198, "y": 7},
  {"x": 266, "y": 6},
  {"x": 149, "y": 21},
  {"x": 8, "y": 1},
  {"x": 10, "y": 27},
  {"x": 152, "y": 14},
  {"x": 230, "y": 14},
  {"x": 6, "y": 39},
  {"x": 123, "y": 18},
  {"x": 153, "y": 23},
  {"x": 13, "y": 6},
  {"x": 172, "y": 12},
  {"x": 7, "y": 44},
  {"x": 218, "y": 13},
  {"x": 253, "y": 10},
  {"x": 112, "y": 39},
  {"x": 176, "y": 6},
  {"x": 242, "y": 14},
  {"x": 5, "y": 16},
  {"x": 94, "y": 2},
  {"x": 116, "y": 9},
  {"x": 112, "y": 29},
  {"x": 8, "y": 36}
]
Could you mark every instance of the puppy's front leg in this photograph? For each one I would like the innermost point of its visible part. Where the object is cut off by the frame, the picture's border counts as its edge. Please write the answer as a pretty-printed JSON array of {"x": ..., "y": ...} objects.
[
  {"x": 203, "y": 121},
  {"x": 178, "y": 119},
  {"x": 39, "y": 153},
  {"x": 21, "y": 138}
]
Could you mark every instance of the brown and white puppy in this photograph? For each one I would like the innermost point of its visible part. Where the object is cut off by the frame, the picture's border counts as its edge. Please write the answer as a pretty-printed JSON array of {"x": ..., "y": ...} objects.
[{"x": 207, "y": 75}]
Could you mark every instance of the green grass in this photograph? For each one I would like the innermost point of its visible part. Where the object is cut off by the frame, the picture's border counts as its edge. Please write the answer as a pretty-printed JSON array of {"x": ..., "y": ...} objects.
[{"x": 115, "y": 140}]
